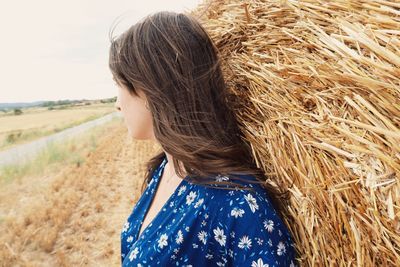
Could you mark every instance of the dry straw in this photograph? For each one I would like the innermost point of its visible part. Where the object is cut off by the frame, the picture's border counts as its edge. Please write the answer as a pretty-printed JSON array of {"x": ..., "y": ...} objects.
[{"x": 319, "y": 89}]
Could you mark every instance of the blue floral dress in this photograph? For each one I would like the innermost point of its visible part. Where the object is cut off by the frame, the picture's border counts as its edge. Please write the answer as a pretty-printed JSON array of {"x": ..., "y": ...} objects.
[{"x": 202, "y": 226}]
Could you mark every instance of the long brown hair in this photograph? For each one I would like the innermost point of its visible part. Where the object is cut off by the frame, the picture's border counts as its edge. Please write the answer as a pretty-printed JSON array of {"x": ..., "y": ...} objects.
[{"x": 172, "y": 59}]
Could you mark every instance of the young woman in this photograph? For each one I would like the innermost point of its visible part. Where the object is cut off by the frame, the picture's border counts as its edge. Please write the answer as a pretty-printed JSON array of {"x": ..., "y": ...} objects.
[{"x": 204, "y": 201}]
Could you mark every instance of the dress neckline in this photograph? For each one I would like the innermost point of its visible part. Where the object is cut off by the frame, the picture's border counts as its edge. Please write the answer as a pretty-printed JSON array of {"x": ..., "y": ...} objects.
[{"x": 158, "y": 174}]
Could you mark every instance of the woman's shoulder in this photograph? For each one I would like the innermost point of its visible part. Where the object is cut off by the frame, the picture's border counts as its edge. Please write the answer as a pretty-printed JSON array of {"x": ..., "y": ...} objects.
[
  {"x": 241, "y": 204},
  {"x": 246, "y": 222},
  {"x": 230, "y": 194},
  {"x": 239, "y": 207}
]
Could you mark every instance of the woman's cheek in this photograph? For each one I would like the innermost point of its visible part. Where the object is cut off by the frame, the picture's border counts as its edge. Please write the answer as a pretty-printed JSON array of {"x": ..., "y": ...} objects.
[{"x": 138, "y": 124}]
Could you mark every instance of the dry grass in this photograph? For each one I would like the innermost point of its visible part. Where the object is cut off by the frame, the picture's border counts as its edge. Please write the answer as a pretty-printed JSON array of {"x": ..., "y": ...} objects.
[
  {"x": 318, "y": 89},
  {"x": 73, "y": 216}
]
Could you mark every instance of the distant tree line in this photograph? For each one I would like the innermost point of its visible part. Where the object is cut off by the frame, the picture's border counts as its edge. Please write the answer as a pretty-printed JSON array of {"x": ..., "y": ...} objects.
[
  {"x": 109, "y": 100},
  {"x": 16, "y": 111},
  {"x": 74, "y": 102},
  {"x": 60, "y": 103}
]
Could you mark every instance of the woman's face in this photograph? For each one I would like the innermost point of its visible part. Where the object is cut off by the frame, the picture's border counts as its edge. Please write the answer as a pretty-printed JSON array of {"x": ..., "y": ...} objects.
[{"x": 137, "y": 117}]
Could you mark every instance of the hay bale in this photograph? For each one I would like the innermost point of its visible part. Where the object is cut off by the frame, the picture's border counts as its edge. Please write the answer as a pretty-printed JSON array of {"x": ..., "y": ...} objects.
[{"x": 319, "y": 89}]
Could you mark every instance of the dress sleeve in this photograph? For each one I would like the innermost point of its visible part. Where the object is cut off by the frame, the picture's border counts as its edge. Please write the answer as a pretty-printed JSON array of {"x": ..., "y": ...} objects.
[{"x": 254, "y": 234}]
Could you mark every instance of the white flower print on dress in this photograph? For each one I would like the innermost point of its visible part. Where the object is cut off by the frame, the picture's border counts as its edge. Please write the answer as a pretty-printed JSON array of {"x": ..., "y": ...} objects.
[
  {"x": 219, "y": 236},
  {"x": 133, "y": 254},
  {"x": 259, "y": 263},
  {"x": 129, "y": 239},
  {"x": 203, "y": 237},
  {"x": 199, "y": 202},
  {"x": 237, "y": 212},
  {"x": 245, "y": 242},
  {"x": 162, "y": 242},
  {"x": 179, "y": 238},
  {"x": 126, "y": 227},
  {"x": 281, "y": 249},
  {"x": 220, "y": 178},
  {"x": 190, "y": 198},
  {"x": 181, "y": 190},
  {"x": 252, "y": 202},
  {"x": 269, "y": 225},
  {"x": 220, "y": 264}
]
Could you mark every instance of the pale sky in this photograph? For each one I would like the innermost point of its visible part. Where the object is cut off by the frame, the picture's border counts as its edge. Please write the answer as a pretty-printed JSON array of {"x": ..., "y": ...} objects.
[{"x": 53, "y": 49}]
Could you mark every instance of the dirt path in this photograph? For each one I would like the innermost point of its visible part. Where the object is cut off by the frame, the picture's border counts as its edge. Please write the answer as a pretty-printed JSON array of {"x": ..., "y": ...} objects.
[
  {"x": 25, "y": 152},
  {"x": 74, "y": 218}
]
